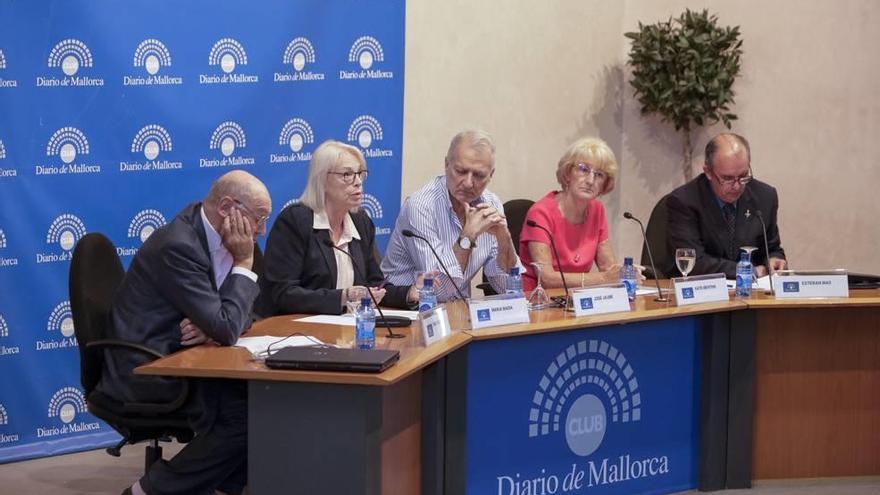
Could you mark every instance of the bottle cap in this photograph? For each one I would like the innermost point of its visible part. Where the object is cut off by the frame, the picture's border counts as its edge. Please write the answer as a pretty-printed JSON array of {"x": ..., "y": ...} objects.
[
  {"x": 628, "y": 260},
  {"x": 365, "y": 302},
  {"x": 428, "y": 283},
  {"x": 514, "y": 270}
]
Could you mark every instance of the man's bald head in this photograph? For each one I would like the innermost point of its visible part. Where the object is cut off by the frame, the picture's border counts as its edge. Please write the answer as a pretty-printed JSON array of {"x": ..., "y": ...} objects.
[{"x": 238, "y": 186}]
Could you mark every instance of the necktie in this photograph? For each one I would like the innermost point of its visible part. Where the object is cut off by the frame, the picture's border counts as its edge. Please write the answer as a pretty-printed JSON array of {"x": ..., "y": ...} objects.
[{"x": 730, "y": 219}]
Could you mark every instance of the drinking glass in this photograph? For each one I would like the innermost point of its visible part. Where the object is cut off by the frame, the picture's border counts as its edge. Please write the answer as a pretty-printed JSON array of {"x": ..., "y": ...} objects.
[
  {"x": 685, "y": 258},
  {"x": 538, "y": 299},
  {"x": 357, "y": 293},
  {"x": 749, "y": 250}
]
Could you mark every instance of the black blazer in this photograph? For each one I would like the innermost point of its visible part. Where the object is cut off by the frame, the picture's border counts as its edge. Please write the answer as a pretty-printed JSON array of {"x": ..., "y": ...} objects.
[
  {"x": 299, "y": 270},
  {"x": 171, "y": 278},
  {"x": 695, "y": 220}
]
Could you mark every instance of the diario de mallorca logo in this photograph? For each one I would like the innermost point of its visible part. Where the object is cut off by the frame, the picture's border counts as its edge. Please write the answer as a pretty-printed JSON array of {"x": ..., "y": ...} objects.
[
  {"x": 141, "y": 227},
  {"x": 4, "y": 261},
  {"x": 227, "y": 54},
  {"x": 295, "y": 135},
  {"x": 67, "y": 144},
  {"x": 151, "y": 55},
  {"x": 60, "y": 328},
  {"x": 69, "y": 56},
  {"x": 299, "y": 53},
  {"x": 65, "y": 231},
  {"x": 5, "y": 83},
  {"x": 366, "y": 131},
  {"x": 4, "y": 420},
  {"x": 294, "y": 201},
  {"x": 365, "y": 52},
  {"x": 228, "y": 137},
  {"x": 4, "y": 334},
  {"x": 63, "y": 408},
  {"x": 149, "y": 142},
  {"x": 587, "y": 389},
  {"x": 5, "y": 172},
  {"x": 373, "y": 208}
]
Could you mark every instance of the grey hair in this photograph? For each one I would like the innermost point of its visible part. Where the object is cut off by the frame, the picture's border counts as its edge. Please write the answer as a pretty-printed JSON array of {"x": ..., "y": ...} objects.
[
  {"x": 322, "y": 162},
  {"x": 475, "y": 138}
]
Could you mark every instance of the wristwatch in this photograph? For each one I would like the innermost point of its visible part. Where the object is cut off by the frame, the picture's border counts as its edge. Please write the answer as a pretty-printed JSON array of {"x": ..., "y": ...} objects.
[{"x": 465, "y": 243}]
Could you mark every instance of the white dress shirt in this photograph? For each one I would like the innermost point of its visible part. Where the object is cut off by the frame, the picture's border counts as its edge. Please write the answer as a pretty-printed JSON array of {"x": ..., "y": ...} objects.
[
  {"x": 344, "y": 268},
  {"x": 221, "y": 258}
]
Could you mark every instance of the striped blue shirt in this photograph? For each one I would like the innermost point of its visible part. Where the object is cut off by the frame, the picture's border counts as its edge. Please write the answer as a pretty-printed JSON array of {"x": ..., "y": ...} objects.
[{"x": 428, "y": 213}]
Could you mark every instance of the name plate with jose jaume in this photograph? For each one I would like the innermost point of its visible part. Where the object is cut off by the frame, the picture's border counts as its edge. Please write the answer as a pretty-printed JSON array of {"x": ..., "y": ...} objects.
[
  {"x": 789, "y": 284},
  {"x": 435, "y": 325},
  {"x": 498, "y": 310},
  {"x": 700, "y": 289},
  {"x": 601, "y": 299}
]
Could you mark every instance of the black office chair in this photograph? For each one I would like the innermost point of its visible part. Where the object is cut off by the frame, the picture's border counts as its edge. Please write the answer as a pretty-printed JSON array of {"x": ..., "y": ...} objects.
[
  {"x": 515, "y": 210},
  {"x": 95, "y": 275},
  {"x": 656, "y": 234}
]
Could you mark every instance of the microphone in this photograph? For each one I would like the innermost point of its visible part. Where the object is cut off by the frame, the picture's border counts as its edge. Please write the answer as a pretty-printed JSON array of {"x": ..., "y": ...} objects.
[
  {"x": 532, "y": 223},
  {"x": 410, "y": 233},
  {"x": 660, "y": 297},
  {"x": 391, "y": 334},
  {"x": 766, "y": 250}
]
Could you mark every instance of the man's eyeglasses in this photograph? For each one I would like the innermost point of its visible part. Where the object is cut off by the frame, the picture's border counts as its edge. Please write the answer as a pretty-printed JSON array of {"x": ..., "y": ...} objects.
[
  {"x": 261, "y": 219},
  {"x": 730, "y": 181},
  {"x": 348, "y": 176},
  {"x": 583, "y": 170}
]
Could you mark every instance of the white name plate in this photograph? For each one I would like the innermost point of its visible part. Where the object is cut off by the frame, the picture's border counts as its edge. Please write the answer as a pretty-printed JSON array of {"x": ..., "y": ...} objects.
[
  {"x": 700, "y": 289},
  {"x": 601, "y": 299},
  {"x": 799, "y": 284},
  {"x": 498, "y": 310},
  {"x": 435, "y": 325}
]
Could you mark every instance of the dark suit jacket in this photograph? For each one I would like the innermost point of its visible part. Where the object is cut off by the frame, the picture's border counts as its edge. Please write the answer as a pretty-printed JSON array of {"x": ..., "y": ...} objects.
[
  {"x": 299, "y": 270},
  {"x": 171, "y": 278},
  {"x": 695, "y": 220}
]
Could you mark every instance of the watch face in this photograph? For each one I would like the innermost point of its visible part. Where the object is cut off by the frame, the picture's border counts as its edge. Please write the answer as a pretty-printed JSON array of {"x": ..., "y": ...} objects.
[{"x": 464, "y": 243}]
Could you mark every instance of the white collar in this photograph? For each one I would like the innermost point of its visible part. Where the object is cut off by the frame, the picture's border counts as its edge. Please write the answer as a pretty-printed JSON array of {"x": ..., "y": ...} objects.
[{"x": 349, "y": 231}]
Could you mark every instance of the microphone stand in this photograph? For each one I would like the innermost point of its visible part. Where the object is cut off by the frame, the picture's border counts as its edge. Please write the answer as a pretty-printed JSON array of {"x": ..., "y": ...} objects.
[
  {"x": 660, "y": 297},
  {"x": 569, "y": 303},
  {"x": 410, "y": 233},
  {"x": 391, "y": 334}
]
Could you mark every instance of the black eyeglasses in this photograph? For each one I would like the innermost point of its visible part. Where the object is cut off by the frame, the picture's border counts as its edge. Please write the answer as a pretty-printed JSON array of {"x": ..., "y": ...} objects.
[
  {"x": 261, "y": 219},
  {"x": 348, "y": 176}
]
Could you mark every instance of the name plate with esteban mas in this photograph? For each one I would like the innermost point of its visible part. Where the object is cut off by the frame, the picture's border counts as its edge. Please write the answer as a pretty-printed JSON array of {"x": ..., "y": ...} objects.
[{"x": 790, "y": 284}]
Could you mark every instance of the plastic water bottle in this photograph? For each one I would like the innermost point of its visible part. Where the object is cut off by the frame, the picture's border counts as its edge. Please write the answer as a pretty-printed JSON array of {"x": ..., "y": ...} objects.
[
  {"x": 427, "y": 295},
  {"x": 514, "y": 282},
  {"x": 744, "y": 276},
  {"x": 629, "y": 278},
  {"x": 365, "y": 326}
]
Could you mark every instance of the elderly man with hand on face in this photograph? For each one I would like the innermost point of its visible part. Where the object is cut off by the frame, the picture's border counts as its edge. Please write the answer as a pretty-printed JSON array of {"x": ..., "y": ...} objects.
[{"x": 460, "y": 218}]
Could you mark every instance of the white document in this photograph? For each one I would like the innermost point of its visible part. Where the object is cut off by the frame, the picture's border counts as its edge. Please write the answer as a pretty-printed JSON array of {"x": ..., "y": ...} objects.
[
  {"x": 763, "y": 283},
  {"x": 348, "y": 318},
  {"x": 258, "y": 345}
]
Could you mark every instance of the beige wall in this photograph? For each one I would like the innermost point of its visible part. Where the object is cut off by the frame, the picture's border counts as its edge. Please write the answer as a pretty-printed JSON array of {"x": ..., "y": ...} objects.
[{"x": 537, "y": 75}]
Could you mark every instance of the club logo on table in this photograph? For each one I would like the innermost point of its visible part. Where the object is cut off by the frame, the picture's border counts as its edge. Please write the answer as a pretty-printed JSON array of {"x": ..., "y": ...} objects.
[
  {"x": 150, "y": 142},
  {"x": 791, "y": 287},
  {"x": 484, "y": 314},
  {"x": 65, "y": 231},
  {"x": 63, "y": 407},
  {"x": 5, "y": 83},
  {"x": 295, "y": 135},
  {"x": 144, "y": 224},
  {"x": 228, "y": 137},
  {"x": 366, "y": 51},
  {"x": 61, "y": 321},
  {"x": 587, "y": 303},
  {"x": 297, "y": 55},
  {"x": 4, "y": 261},
  {"x": 66, "y": 145},
  {"x": 151, "y": 55},
  {"x": 227, "y": 54},
  {"x": 4, "y": 333},
  {"x": 687, "y": 293},
  {"x": 366, "y": 131},
  {"x": 69, "y": 56}
]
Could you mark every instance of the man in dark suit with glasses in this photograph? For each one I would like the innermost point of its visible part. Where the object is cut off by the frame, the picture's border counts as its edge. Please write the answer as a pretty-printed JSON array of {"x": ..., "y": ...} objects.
[{"x": 718, "y": 212}]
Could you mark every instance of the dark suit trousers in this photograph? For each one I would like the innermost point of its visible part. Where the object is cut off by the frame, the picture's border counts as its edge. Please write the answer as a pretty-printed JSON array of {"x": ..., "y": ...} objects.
[{"x": 216, "y": 458}]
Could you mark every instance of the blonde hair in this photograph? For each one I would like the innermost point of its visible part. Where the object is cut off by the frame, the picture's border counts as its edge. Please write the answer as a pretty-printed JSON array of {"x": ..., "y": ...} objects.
[
  {"x": 592, "y": 150},
  {"x": 323, "y": 160}
]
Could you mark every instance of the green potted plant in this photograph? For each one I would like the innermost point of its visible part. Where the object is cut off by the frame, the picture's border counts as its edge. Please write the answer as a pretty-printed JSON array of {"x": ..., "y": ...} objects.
[{"x": 683, "y": 69}]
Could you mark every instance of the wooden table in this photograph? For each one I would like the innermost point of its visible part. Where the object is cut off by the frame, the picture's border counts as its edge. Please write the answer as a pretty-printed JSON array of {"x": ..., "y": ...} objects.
[{"x": 763, "y": 363}]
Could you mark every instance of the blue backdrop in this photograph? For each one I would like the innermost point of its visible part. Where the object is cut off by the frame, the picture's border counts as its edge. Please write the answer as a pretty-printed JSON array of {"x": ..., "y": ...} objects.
[{"x": 114, "y": 115}]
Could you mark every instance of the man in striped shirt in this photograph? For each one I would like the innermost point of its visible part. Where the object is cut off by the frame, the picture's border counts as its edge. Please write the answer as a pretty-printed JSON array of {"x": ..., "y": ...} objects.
[{"x": 461, "y": 219}]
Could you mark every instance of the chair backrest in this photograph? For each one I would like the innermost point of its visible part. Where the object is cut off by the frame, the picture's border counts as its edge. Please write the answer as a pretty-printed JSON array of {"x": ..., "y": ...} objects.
[
  {"x": 95, "y": 275},
  {"x": 656, "y": 234},
  {"x": 516, "y": 210}
]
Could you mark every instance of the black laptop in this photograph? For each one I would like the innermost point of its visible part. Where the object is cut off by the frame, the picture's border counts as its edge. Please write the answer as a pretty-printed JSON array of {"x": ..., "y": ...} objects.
[{"x": 328, "y": 358}]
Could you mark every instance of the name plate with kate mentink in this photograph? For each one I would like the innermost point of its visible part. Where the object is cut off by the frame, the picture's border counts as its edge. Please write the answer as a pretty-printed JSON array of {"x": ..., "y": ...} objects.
[
  {"x": 498, "y": 310},
  {"x": 610, "y": 298},
  {"x": 435, "y": 325},
  {"x": 700, "y": 289},
  {"x": 790, "y": 284}
]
